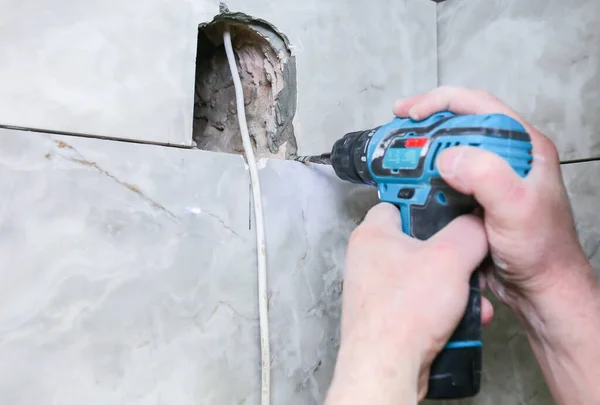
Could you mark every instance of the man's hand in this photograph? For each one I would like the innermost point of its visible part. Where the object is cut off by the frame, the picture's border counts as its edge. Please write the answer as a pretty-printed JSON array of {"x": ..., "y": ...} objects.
[
  {"x": 540, "y": 269},
  {"x": 402, "y": 300},
  {"x": 528, "y": 221}
]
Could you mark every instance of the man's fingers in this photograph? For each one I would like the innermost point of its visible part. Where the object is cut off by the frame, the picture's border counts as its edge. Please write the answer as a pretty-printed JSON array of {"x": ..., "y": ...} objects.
[
  {"x": 403, "y": 106},
  {"x": 383, "y": 215},
  {"x": 485, "y": 175},
  {"x": 545, "y": 158},
  {"x": 462, "y": 101},
  {"x": 465, "y": 101},
  {"x": 461, "y": 245},
  {"x": 455, "y": 99},
  {"x": 487, "y": 311}
]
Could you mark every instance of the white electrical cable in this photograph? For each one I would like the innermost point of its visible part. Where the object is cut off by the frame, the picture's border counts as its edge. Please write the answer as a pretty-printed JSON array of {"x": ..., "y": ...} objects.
[{"x": 263, "y": 303}]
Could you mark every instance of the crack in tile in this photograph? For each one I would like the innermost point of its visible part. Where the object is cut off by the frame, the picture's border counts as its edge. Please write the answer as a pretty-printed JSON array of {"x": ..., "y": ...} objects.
[
  {"x": 223, "y": 224},
  {"x": 219, "y": 305},
  {"x": 302, "y": 260},
  {"x": 131, "y": 187},
  {"x": 199, "y": 211}
]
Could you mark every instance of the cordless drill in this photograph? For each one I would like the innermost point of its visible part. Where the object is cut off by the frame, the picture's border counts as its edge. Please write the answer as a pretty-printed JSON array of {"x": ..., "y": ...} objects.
[{"x": 399, "y": 158}]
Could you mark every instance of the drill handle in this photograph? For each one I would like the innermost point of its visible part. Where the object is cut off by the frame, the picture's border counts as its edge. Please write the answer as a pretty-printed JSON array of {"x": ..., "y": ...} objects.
[
  {"x": 441, "y": 206},
  {"x": 456, "y": 372}
]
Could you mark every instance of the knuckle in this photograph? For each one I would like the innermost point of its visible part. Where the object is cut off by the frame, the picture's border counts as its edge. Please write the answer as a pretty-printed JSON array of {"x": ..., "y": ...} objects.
[
  {"x": 385, "y": 210},
  {"x": 483, "y": 93},
  {"x": 526, "y": 217},
  {"x": 529, "y": 205},
  {"x": 518, "y": 192},
  {"x": 493, "y": 102},
  {"x": 481, "y": 167},
  {"x": 363, "y": 234},
  {"x": 487, "y": 97},
  {"x": 548, "y": 149},
  {"x": 446, "y": 92},
  {"x": 443, "y": 250},
  {"x": 533, "y": 198}
]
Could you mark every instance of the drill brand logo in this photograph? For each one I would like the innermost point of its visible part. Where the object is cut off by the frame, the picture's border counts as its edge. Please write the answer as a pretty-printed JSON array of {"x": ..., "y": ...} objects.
[{"x": 406, "y": 154}]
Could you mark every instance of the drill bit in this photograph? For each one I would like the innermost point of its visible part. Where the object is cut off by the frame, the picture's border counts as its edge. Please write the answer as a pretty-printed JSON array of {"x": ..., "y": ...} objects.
[{"x": 324, "y": 159}]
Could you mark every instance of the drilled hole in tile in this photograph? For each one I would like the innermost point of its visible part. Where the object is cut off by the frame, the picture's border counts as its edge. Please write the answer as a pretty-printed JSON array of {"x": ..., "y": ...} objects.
[{"x": 268, "y": 74}]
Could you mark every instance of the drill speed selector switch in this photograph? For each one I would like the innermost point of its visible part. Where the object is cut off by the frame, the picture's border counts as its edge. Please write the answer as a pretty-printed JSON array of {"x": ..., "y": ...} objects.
[{"x": 399, "y": 158}]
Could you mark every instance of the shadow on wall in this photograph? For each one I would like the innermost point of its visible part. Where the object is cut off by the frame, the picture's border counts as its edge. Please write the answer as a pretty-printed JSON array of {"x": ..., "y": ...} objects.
[{"x": 268, "y": 74}]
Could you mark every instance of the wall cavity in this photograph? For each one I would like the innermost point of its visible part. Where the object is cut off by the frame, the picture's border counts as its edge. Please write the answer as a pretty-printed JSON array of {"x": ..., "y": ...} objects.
[{"x": 268, "y": 73}]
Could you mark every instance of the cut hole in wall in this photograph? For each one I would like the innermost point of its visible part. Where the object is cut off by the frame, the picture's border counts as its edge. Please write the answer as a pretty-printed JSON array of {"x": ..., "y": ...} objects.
[{"x": 268, "y": 74}]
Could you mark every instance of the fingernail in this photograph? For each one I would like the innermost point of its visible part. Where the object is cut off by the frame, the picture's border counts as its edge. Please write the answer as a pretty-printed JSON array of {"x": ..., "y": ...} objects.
[
  {"x": 413, "y": 114},
  {"x": 448, "y": 161}
]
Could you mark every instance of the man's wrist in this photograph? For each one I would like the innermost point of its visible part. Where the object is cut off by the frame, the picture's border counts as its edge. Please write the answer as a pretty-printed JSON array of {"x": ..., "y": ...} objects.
[
  {"x": 568, "y": 300},
  {"x": 368, "y": 373},
  {"x": 559, "y": 323}
]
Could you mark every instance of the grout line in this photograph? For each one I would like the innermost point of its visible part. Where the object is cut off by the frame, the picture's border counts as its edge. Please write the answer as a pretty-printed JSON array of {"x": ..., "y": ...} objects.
[
  {"x": 172, "y": 145},
  {"x": 437, "y": 45},
  {"x": 102, "y": 137},
  {"x": 584, "y": 160}
]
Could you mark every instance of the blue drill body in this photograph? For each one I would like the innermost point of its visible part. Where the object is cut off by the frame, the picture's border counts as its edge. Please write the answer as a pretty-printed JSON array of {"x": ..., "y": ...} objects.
[
  {"x": 403, "y": 162},
  {"x": 399, "y": 158}
]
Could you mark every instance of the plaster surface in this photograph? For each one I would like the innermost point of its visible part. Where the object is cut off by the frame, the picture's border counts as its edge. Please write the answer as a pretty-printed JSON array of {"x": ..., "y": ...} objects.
[{"x": 542, "y": 57}]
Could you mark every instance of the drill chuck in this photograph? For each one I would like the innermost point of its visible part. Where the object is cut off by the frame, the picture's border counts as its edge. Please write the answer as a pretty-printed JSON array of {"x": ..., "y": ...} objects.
[{"x": 349, "y": 157}]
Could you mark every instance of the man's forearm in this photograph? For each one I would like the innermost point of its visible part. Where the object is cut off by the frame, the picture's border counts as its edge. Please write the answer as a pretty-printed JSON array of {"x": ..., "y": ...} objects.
[
  {"x": 371, "y": 377},
  {"x": 357, "y": 389},
  {"x": 561, "y": 330}
]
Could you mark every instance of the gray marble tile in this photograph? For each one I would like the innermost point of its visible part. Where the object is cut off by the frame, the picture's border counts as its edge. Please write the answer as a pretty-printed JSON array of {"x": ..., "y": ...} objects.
[
  {"x": 129, "y": 274},
  {"x": 118, "y": 263},
  {"x": 542, "y": 57},
  {"x": 306, "y": 242},
  {"x": 126, "y": 69},
  {"x": 583, "y": 185},
  {"x": 111, "y": 68}
]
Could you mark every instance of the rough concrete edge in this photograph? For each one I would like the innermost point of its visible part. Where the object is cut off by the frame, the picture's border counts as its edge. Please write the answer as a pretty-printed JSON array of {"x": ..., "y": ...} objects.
[
  {"x": 239, "y": 17},
  {"x": 287, "y": 99}
]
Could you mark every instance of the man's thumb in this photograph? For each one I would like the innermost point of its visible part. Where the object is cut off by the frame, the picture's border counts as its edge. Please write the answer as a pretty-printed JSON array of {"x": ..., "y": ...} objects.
[{"x": 485, "y": 175}]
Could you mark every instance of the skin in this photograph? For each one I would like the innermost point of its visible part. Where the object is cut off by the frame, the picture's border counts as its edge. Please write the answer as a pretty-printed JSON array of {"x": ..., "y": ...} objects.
[{"x": 539, "y": 271}]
